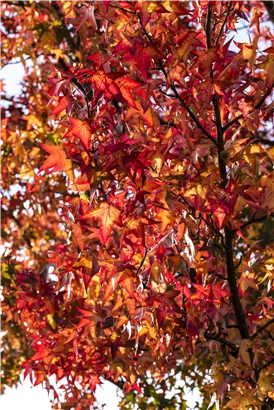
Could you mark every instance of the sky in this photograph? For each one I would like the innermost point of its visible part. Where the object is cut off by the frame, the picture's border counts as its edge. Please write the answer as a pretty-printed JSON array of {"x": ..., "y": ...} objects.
[{"x": 25, "y": 396}]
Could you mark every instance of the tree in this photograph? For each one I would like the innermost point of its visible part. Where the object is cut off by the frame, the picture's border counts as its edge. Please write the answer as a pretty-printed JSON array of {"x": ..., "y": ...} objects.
[{"x": 138, "y": 201}]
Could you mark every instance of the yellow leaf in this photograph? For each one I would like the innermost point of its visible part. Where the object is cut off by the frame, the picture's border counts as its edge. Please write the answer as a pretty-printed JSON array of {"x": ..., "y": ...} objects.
[
  {"x": 197, "y": 190},
  {"x": 266, "y": 382},
  {"x": 243, "y": 351},
  {"x": 165, "y": 217}
]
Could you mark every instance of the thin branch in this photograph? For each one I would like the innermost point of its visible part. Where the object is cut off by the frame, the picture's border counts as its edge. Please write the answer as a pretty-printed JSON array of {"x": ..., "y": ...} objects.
[
  {"x": 193, "y": 116},
  {"x": 25, "y": 59},
  {"x": 262, "y": 328},
  {"x": 181, "y": 100},
  {"x": 200, "y": 216},
  {"x": 142, "y": 262},
  {"x": 208, "y": 26},
  {"x": 239, "y": 263},
  {"x": 224, "y": 23},
  {"x": 17, "y": 4},
  {"x": 264, "y": 141},
  {"x": 253, "y": 220},
  {"x": 122, "y": 9},
  {"x": 267, "y": 364},
  {"x": 256, "y": 107},
  {"x": 223, "y": 341}
]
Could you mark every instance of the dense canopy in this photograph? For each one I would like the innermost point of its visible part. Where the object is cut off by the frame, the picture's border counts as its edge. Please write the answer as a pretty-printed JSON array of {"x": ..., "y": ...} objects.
[{"x": 138, "y": 201}]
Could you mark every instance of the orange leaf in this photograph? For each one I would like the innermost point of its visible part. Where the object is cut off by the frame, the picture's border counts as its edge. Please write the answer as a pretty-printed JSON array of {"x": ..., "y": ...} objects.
[
  {"x": 126, "y": 86},
  {"x": 57, "y": 161},
  {"x": 107, "y": 215}
]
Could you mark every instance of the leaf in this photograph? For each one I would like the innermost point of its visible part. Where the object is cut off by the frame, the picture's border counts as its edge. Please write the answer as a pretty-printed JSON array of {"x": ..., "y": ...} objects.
[
  {"x": 106, "y": 4},
  {"x": 57, "y": 161},
  {"x": 266, "y": 382},
  {"x": 126, "y": 85},
  {"x": 243, "y": 351},
  {"x": 238, "y": 401},
  {"x": 80, "y": 129},
  {"x": 61, "y": 106},
  {"x": 107, "y": 215},
  {"x": 87, "y": 14},
  {"x": 88, "y": 263}
]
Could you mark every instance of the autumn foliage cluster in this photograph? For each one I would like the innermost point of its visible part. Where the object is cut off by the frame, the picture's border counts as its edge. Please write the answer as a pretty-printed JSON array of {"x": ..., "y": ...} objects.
[{"x": 138, "y": 201}]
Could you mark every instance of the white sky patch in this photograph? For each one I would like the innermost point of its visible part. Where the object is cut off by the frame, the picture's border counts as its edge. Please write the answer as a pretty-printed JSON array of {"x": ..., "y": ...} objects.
[{"x": 12, "y": 75}]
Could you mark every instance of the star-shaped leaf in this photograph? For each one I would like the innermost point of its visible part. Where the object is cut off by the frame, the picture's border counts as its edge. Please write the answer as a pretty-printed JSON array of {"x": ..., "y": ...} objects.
[
  {"x": 57, "y": 161},
  {"x": 80, "y": 129},
  {"x": 107, "y": 215}
]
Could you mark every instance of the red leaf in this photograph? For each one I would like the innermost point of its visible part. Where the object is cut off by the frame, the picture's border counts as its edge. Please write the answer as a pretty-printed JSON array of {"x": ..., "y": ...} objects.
[
  {"x": 106, "y": 3},
  {"x": 80, "y": 129},
  {"x": 126, "y": 85},
  {"x": 61, "y": 106}
]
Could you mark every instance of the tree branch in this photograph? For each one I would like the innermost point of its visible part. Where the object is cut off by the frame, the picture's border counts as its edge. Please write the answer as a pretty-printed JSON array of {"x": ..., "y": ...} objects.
[
  {"x": 224, "y": 23},
  {"x": 262, "y": 328},
  {"x": 253, "y": 220},
  {"x": 207, "y": 28},
  {"x": 263, "y": 141},
  {"x": 228, "y": 236},
  {"x": 256, "y": 107},
  {"x": 223, "y": 341},
  {"x": 232, "y": 282},
  {"x": 181, "y": 100},
  {"x": 267, "y": 364}
]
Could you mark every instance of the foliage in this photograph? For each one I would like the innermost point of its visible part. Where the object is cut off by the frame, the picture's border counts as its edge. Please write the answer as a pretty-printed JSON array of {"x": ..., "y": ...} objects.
[{"x": 137, "y": 210}]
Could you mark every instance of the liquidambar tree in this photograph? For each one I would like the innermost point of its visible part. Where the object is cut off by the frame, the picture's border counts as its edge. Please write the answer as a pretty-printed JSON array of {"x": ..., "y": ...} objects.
[{"x": 138, "y": 201}]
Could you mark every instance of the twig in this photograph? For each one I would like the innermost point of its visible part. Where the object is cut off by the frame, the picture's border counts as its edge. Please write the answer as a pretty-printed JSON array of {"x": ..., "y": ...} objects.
[
  {"x": 256, "y": 107},
  {"x": 142, "y": 262},
  {"x": 267, "y": 364},
  {"x": 181, "y": 100},
  {"x": 264, "y": 141},
  {"x": 208, "y": 25},
  {"x": 253, "y": 220},
  {"x": 224, "y": 23},
  {"x": 122, "y": 9},
  {"x": 223, "y": 341},
  {"x": 262, "y": 328}
]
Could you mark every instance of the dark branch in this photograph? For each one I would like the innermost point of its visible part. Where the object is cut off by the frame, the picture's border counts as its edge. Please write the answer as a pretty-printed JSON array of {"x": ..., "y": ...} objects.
[
  {"x": 224, "y": 23},
  {"x": 253, "y": 220},
  {"x": 271, "y": 361},
  {"x": 256, "y": 107},
  {"x": 262, "y": 328},
  {"x": 181, "y": 100},
  {"x": 223, "y": 341},
  {"x": 264, "y": 141}
]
